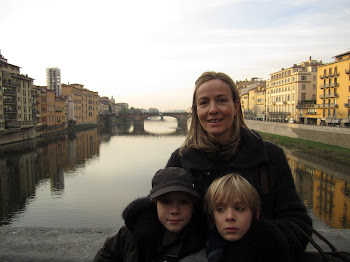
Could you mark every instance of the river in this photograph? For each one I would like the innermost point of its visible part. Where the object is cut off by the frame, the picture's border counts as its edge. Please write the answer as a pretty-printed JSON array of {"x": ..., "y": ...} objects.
[{"x": 86, "y": 179}]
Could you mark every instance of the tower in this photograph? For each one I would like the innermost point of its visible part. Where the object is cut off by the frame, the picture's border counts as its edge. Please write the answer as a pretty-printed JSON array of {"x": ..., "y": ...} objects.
[{"x": 53, "y": 79}]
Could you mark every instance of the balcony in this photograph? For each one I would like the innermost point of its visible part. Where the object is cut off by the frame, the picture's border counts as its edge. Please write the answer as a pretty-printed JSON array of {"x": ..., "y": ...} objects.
[
  {"x": 10, "y": 110},
  {"x": 323, "y": 76},
  {"x": 10, "y": 117},
  {"x": 280, "y": 113},
  {"x": 7, "y": 101},
  {"x": 333, "y": 85},
  {"x": 10, "y": 84},
  {"x": 306, "y": 104},
  {"x": 347, "y": 71},
  {"x": 347, "y": 105},
  {"x": 328, "y": 105},
  {"x": 333, "y": 74},
  {"x": 331, "y": 95},
  {"x": 11, "y": 92}
]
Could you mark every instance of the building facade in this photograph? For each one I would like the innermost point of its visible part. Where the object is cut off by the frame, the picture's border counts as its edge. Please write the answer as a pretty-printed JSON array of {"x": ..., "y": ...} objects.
[
  {"x": 53, "y": 80},
  {"x": 16, "y": 100},
  {"x": 291, "y": 91},
  {"x": 333, "y": 98},
  {"x": 85, "y": 103}
]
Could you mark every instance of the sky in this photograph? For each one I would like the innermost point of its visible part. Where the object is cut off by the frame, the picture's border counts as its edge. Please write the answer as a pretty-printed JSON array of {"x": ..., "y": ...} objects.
[{"x": 149, "y": 53}]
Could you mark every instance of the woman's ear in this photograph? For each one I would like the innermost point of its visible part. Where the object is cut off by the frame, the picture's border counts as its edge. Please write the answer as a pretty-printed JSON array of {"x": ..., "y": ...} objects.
[{"x": 257, "y": 215}]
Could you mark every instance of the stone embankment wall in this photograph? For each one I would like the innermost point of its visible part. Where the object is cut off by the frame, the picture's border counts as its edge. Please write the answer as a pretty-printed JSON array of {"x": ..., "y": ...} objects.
[
  {"x": 338, "y": 136},
  {"x": 21, "y": 135}
]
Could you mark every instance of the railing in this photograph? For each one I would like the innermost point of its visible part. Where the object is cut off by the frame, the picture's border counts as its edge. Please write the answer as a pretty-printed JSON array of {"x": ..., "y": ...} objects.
[
  {"x": 9, "y": 101},
  {"x": 347, "y": 71},
  {"x": 333, "y": 85},
  {"x": 333, "y": 74},
  {"x": 329, "y": 95},
  {"x": 280, "y": 113},
  {"x": 323, "y": 76},
  {"x": 347, "y": 105},
  {"x": 9, "y": 92},
  {"x": 328, "y": 105},
  {"x": 10, "y": 84}
]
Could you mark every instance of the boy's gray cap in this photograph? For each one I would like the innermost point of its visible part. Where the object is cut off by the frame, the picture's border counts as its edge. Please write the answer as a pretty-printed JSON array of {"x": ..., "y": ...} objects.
[{"x": 172, "y": 179}]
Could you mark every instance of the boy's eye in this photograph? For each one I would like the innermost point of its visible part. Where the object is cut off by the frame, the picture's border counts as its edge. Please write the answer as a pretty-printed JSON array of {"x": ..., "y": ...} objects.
[
  {"x": 185, "y": 201},
  {"x": 220, "y": 209},
  {"x": 240, "y": 208},
  {"x": 164, "y": 200}
]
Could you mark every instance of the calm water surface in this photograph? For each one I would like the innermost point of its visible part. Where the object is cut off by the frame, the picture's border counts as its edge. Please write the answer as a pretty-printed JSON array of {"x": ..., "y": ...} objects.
[{"x": 86, "y": 179}]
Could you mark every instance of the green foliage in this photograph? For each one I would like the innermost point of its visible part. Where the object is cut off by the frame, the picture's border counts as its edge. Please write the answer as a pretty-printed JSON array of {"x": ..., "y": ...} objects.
[{"x": 333, "y": 153}]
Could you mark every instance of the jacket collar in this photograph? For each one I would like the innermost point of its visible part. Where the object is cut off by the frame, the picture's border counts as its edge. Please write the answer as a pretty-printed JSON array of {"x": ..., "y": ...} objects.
[{"x": 251, "y": 151}]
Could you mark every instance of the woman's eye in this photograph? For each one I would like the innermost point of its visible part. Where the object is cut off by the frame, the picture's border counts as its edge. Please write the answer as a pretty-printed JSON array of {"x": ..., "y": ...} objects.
[
  {"x": 202, "y": 103},
  {"x": 222, "y": 100}
]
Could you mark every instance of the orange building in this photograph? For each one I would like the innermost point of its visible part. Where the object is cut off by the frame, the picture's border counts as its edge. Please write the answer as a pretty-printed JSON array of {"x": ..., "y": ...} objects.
[{"x": 85, "y": 103}]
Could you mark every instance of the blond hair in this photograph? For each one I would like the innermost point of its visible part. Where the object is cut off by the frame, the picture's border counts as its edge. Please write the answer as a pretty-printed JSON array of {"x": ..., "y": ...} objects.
[
  {"x": 197, "y": 137},
  {"x": 227, "y": 188}
]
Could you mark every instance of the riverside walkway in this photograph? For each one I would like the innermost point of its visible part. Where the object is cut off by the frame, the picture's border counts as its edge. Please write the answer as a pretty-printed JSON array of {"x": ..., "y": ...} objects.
[{"x": 75, "y": 245}]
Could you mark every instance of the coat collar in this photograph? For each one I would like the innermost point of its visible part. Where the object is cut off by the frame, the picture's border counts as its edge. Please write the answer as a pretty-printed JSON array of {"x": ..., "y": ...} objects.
[{"x": 252, "y": 151}]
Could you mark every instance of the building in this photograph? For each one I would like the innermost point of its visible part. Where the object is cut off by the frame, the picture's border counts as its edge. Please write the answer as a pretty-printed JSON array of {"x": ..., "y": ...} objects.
[
  {"x": 333, "y": 98},
  {"x": 291, "y": 91},
  {"x": 16, "y": 101},
  {"x": 250, "y": 94},
  {"x": 119, "y": 106},
  {"x": 53, "y": 80},
  {"x": 85, "y": 103}
]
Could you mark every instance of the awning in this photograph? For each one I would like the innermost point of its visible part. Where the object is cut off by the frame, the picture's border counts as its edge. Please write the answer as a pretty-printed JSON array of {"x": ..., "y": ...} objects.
[
  {"x": 346, "y": 120},
  {"x": 335, "y": 121}
]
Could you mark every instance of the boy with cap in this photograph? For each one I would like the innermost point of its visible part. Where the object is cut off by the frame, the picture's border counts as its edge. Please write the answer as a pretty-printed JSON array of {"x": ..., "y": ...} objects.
[{"x": 174, "y": 197}]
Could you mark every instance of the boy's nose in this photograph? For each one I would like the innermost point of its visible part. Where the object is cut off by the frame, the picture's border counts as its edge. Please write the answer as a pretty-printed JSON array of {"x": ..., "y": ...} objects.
[
  {"x": 230, "y": 216},
  {"x": 175, "y": 209}
]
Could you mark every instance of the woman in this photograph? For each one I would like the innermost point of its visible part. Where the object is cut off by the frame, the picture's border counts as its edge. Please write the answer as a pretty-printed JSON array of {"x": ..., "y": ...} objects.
[{"x": 219, "y": 142}]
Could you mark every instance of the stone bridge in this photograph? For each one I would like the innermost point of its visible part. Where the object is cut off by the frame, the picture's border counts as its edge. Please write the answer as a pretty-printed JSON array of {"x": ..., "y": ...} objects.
[{"x": 138, "y": 118}]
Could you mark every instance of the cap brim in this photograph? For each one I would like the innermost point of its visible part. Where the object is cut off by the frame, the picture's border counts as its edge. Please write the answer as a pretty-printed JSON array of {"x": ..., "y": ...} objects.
[{"x": 174, "y": 189}]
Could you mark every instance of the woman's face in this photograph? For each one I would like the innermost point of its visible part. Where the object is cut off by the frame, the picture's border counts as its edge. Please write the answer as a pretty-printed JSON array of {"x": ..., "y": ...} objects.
[{"x": 216, "y": 109}]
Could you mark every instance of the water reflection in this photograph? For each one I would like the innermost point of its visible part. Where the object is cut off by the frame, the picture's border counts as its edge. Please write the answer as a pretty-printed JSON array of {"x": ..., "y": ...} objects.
[
  {"x": 323, "y": 189},
  {"x": 86, "y": 179}
]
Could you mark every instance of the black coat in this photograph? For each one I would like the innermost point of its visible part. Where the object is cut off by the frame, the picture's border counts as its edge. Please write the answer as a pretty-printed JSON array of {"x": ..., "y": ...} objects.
[
  {"x": 126, "y": 246},
  {"x": 282, "y": 200}
]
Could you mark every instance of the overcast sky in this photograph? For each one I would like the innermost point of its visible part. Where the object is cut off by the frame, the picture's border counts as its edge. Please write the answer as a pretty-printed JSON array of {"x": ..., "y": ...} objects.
[{"x": 148, "y": 53}]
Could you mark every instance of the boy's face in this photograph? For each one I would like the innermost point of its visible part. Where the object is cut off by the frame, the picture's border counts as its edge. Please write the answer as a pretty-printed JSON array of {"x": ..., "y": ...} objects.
[
  {"x": 232, "y": 220},
  {"x": 174, "y": 210}
]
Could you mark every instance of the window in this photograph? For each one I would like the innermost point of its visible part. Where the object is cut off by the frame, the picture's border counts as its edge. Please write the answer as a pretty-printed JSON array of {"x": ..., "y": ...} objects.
[
  {"x": 303, "y": 87},
  {"x": 314, "y": 78},
  {"x": 303, "y": 78},
  {"x": 303, "y": 96}
]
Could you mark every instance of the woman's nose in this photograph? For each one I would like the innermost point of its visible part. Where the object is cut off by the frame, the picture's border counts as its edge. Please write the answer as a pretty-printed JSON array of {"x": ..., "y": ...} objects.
[{"x": 213, "y": 108}]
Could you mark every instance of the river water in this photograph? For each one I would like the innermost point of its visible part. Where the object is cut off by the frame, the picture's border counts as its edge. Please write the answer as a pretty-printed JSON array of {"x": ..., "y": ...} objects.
[{"x": 87, "y": 178}]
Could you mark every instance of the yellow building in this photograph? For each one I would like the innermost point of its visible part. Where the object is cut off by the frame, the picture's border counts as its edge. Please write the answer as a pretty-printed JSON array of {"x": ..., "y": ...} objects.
[
  {"x": 16, "y": 101},
  {"x": 290, "y": 90},
  {"x": 333, "y": 97},
  {"x": 85, "y": 103}
]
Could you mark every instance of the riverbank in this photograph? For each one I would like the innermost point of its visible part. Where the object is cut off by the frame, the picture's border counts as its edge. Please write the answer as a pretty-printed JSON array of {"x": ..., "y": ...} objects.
[
  {"x": 81, "y": 244},
  {"x": 336, "y": 154}
]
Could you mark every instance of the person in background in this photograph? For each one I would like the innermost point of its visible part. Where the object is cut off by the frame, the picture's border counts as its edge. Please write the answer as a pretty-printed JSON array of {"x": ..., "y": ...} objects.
[
  {"x": 218, "y": 143},
  {"x": 173, "y": 198},
  {"x": 233, "y": 208}
]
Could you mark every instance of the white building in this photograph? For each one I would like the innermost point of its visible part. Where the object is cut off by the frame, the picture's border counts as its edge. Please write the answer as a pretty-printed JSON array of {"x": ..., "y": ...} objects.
[{"x": 53, "y": 80}]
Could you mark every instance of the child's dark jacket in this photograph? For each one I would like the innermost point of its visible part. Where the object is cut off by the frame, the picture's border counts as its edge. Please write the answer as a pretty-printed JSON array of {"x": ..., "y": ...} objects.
[{"x": 123, "y": 246}]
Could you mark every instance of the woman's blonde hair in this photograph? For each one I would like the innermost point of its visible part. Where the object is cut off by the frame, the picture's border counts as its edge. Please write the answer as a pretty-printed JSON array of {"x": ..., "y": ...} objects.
[
  {"x": 197, "y": 137},
  {"x": 227, "y": 188}
]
